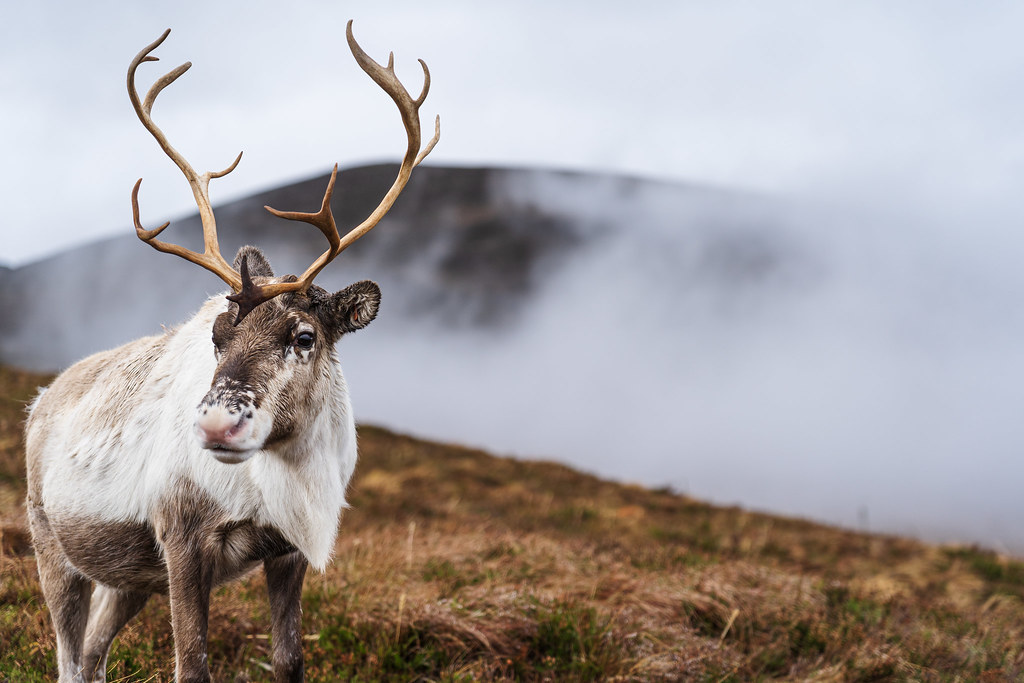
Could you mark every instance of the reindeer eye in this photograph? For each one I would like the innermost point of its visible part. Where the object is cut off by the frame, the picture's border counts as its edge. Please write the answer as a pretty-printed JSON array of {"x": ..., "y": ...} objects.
[{"x": 304, "y": 340}]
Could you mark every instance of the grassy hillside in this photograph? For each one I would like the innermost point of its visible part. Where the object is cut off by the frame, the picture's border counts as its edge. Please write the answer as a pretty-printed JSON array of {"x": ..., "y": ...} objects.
[{"x": 455, "y": 565}]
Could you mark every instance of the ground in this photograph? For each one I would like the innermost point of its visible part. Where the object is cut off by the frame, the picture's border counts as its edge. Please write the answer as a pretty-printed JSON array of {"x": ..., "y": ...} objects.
[{"x": 456, "y": 565}]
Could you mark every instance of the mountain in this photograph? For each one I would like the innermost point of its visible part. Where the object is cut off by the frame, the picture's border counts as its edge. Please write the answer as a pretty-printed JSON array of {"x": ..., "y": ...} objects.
[{"x": 461, "y": 247}]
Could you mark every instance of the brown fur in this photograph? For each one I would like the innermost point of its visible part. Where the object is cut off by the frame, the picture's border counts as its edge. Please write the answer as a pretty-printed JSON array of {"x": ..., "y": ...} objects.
[{"x": 194, "y": 548}]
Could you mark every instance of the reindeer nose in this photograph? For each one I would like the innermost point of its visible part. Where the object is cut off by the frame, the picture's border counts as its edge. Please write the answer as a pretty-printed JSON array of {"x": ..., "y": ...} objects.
[{"x": 220, "y": 427}]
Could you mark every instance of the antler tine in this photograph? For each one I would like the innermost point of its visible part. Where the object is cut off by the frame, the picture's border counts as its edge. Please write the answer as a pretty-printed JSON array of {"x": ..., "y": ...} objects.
[
  {"x": 144, "y": 235},
  {"x": 211, "y": 258},
  {"x": 322, "y": 219},
  {"x": 410, "y": 110},
  {"x": 252, "y": 294}
]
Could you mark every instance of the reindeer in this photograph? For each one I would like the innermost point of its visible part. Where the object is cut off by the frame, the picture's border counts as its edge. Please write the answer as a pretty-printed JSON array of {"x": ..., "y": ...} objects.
[{"x": 171, "y": 465}]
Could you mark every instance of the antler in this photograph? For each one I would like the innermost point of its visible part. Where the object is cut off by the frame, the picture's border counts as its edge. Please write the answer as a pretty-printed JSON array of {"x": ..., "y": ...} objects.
[
  {"x": 248, "y": 294},
  {"x": 252, "y": 294},
  {"x": 211, "y": 258}
]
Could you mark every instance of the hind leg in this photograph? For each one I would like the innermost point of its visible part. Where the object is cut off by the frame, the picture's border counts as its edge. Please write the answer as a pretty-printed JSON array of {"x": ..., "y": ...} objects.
[
  {"x": 66, "y": 593},
  {"x": 109, "y": 611}
]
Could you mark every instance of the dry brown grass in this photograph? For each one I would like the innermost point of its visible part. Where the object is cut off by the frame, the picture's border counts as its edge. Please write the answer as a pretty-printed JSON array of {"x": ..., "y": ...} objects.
[{"x": 456, "y": 565}]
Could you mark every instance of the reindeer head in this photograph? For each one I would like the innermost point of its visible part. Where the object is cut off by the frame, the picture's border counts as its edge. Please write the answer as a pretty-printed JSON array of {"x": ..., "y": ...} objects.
[
  {"x": 272, "y": 367},
  {"x": 273, "y": 344}
]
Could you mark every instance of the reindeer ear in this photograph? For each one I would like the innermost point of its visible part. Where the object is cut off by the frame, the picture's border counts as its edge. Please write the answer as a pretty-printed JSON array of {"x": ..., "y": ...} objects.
[
  {"x": 259, "y": 266},
  {"x": 353, "y": 308}
]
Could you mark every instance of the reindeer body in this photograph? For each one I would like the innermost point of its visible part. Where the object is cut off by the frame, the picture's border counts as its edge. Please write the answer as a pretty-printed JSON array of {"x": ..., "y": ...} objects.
[
  {"x": 112, "y": 441},
  {"x": 136, "y": 486},
  {"x": 170, "y": 465}
]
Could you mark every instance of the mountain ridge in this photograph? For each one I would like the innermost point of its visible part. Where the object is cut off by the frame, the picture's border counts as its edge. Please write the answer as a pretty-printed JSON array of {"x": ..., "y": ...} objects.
[{"x": 468, "y": 246}]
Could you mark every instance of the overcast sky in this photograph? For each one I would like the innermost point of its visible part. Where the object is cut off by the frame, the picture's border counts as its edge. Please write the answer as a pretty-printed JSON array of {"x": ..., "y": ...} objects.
[{"x": 918, "y": 104}]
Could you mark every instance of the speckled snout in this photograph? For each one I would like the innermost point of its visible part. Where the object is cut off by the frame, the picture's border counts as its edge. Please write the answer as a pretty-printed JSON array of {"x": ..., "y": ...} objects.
[{"x": 228, "y": 423}]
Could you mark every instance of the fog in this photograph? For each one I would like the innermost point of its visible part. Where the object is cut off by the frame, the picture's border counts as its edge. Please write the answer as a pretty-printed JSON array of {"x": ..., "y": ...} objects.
[{"x": 846, "y": 366}]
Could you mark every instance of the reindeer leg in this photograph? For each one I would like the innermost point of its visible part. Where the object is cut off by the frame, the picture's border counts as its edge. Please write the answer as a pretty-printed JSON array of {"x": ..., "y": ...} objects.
[
  {"x": 190, "y": 579},
  {"x": 284, "y": 585},
  {"x": 66, "y": 593},
  {"x": 109, "y": 611}
]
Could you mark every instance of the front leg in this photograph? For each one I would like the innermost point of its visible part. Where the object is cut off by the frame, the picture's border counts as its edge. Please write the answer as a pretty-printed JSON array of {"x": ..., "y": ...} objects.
[
  {"x": 284, "y": 585},
  {"x": 190, "y": 578}
]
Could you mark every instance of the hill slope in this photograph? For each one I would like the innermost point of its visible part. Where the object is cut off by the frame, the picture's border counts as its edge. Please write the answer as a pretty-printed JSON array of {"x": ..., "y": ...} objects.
[{"x": 457, "y": 565}]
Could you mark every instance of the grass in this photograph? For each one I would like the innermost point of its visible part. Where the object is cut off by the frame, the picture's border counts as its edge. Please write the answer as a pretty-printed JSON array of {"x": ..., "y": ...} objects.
[{"x": 455, "y": 565}]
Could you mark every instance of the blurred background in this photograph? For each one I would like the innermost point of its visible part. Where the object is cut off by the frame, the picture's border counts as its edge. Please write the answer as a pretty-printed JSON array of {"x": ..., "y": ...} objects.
[{"x": 763, "y": 255}]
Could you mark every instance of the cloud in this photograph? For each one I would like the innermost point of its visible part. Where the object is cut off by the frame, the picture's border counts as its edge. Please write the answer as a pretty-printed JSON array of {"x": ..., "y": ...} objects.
[{"x": 794, "y": 97}]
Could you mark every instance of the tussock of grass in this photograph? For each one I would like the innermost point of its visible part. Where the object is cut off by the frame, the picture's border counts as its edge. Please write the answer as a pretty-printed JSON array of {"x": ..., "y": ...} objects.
[{"x": 454, "y": 565}]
